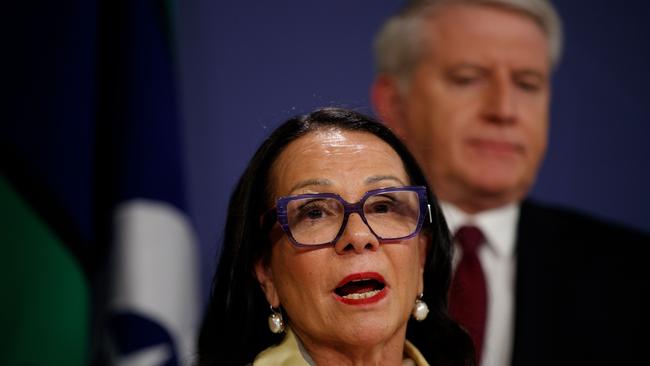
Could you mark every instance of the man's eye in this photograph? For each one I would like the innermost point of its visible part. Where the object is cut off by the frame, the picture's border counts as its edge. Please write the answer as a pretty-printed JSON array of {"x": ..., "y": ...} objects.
[
  {"x": 463, "y": 79},
  {"x": 529, "y": 82},
  {"x": 528, "y": 85}
]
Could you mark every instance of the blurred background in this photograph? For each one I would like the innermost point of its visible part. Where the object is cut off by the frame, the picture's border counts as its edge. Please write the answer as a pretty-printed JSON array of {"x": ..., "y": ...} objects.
[{"x": 165, "y": 102}]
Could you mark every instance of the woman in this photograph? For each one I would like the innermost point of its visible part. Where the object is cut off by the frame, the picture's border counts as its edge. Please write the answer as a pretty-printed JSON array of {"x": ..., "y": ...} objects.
[{"x": 329, "y": 241}]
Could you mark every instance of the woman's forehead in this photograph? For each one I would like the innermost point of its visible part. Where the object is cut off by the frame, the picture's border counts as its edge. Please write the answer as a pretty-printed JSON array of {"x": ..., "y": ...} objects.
[{"x": 337, "y": 157}]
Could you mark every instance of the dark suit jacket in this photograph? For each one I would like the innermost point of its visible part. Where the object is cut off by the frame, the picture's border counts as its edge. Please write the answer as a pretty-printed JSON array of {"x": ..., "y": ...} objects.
[{"x": 581, "y": 290}]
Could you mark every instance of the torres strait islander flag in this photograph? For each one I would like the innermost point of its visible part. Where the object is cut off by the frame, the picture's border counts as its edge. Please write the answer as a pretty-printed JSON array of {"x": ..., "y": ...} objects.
[{"x": 153, "y": 301}]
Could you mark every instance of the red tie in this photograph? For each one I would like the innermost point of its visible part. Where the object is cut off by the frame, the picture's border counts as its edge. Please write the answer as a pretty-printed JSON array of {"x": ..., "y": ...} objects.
[{"x": 468, "y": 292}]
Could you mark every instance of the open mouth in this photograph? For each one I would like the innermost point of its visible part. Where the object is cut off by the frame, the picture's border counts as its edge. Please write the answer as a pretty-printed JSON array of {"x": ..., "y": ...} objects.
[{"x": 361, "y": 288}]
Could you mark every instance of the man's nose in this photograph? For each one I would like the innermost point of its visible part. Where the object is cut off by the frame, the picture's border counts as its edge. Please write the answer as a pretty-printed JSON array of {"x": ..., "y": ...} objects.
[
  {"x": 500, "y": 102},
  {"x": 356, "y": 237}
]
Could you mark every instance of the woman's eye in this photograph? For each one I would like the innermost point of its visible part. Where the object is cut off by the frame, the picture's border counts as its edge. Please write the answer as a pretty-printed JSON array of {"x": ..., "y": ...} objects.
[
  {"x": 314, "y": 214},
  {"x": 381, "y": 207},
  {"x": 314, "y": 210}
]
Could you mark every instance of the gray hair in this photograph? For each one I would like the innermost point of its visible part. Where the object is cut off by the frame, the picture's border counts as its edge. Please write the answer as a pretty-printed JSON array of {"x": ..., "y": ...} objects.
[{"x": 400, "y": 43}]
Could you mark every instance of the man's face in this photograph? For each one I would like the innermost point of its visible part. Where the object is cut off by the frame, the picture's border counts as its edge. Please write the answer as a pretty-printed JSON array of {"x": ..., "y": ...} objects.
[{"x": 476, "y": 110}]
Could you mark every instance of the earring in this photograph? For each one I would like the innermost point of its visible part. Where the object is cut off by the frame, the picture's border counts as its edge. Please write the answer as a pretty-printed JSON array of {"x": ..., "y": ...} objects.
[
  {"x": 276, "y": 323},
  {"x": 420, "y": 310}
]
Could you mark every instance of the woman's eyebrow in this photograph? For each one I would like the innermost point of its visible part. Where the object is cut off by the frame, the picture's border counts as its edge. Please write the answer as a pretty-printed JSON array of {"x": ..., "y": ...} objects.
[
  {"x": 311, "y": 182},
  {"x": 327, "y": 182},
  {"x": 381, "y": 178}
]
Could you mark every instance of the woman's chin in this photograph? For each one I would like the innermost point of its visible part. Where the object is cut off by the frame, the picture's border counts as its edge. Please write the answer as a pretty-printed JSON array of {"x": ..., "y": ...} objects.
[{"x": 368, "y": 331}]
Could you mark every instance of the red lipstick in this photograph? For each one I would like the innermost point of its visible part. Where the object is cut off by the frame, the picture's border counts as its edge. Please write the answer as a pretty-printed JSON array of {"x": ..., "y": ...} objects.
[{"x": 361, "y": 289}]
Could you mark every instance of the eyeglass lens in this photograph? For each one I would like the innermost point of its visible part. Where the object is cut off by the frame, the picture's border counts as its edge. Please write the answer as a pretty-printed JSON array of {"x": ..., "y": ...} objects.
[{"x": 317, "y": 220}]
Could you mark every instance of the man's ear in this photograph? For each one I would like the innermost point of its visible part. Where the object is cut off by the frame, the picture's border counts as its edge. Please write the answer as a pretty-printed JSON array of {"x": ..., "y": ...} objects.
[
  {"x": 388, "y": 103},
  {"x": 265, "y": 278}
]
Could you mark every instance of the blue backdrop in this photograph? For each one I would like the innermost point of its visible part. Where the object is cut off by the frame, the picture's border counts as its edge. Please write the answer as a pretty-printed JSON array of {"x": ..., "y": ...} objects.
[
  {"x": 243, "y": 67},
  {"x": 246, "y": 67}
]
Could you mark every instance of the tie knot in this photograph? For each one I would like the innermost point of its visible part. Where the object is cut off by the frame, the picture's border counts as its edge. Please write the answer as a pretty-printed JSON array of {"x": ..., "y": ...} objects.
[{"x": 469, "y": 238}]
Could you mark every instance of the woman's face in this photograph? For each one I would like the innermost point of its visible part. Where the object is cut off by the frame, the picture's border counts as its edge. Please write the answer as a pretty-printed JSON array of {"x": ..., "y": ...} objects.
[{"x": 309, "y": 283}]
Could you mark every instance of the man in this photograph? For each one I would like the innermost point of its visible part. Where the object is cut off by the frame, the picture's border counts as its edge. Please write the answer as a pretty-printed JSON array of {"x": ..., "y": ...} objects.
[{"x": 466, "y": 83}]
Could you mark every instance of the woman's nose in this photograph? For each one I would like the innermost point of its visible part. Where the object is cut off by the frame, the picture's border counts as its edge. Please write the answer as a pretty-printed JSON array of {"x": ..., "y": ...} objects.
[{"x": 356, "y": 237}]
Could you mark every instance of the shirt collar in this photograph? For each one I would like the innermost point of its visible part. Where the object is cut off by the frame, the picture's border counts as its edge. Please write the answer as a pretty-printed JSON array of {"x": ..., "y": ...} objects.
[{"x": 498, "y": 225}]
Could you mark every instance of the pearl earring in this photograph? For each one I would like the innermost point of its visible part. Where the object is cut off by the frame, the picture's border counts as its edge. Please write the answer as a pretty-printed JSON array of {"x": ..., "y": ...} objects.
[
  {"x": 420, "y": 310},
  {"x": 276, "y": 323}
]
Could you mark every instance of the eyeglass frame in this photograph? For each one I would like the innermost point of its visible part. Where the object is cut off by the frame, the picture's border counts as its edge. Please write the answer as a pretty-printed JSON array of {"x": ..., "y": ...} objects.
[{"x": 281, "y": 216}]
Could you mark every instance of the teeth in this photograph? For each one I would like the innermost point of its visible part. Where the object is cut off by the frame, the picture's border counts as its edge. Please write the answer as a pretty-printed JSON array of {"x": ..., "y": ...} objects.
[{"x": 363, "y": 295}]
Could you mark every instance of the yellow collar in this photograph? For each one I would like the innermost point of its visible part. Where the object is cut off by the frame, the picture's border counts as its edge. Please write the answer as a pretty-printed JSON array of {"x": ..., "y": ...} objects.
[{"x": 287, "y": 353}]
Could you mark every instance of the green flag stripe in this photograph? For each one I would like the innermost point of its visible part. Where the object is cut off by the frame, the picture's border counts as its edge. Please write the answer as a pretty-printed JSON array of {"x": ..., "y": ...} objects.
[{"x": 45, "y": 307}]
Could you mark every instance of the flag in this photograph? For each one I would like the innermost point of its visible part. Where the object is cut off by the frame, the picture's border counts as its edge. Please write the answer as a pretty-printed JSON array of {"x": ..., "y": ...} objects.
[
  {"x": 48, "y": 260},
  {"x": 152, "y": 300},
  {"x": 45, "y": 296}
]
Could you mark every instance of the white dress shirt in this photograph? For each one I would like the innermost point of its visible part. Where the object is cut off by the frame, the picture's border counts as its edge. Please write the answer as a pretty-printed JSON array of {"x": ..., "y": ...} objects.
[{"x": 497, "y": 257}]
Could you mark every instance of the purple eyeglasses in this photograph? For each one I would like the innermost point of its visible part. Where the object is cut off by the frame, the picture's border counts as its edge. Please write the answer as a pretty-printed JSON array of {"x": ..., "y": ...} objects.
[{"x": 319, "y": 219}]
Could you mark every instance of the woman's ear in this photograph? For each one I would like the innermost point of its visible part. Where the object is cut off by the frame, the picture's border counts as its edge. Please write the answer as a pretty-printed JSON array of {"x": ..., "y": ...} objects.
[{"x": 265, "y": 278}]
